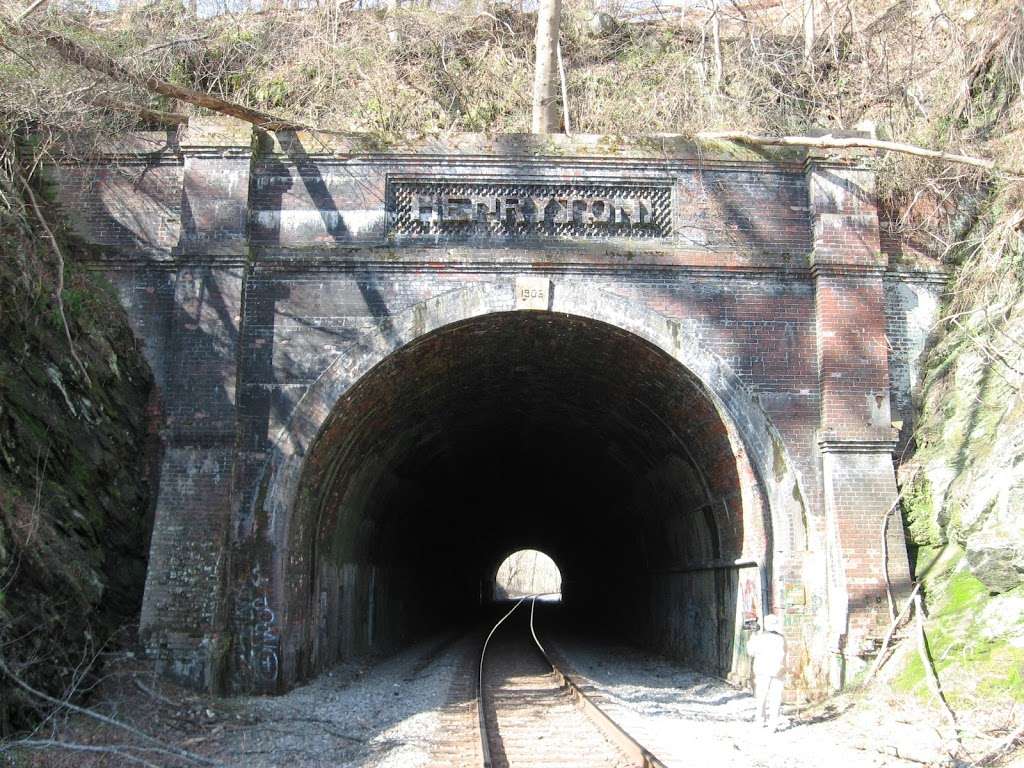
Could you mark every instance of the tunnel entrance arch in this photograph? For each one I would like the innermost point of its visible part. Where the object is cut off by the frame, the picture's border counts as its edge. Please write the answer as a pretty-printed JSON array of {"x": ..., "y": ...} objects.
[{"x": 742, "y": 492}]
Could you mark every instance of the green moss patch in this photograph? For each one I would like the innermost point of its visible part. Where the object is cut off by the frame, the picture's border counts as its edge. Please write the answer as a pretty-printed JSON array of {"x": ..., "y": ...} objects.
[{"x": 977, "y": 659}]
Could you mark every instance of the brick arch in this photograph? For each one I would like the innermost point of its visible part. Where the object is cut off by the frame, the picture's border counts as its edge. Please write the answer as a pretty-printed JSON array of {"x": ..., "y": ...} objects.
[{"x": 755, "y": 441}]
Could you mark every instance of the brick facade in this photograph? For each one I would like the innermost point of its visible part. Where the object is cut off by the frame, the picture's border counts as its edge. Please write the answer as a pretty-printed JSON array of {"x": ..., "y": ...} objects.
[{"x": 268, "y": 277}]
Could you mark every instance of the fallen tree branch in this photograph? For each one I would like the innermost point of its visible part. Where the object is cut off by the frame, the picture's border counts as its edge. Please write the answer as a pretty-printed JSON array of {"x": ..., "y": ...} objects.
[
  {"x": 141, "y": 735},
  {"x": 150, "y": 692},
  {"x": 1003, "y": 746},
  {"x": 930, "y": 673},
  {"x": 880, "y": 658},
  {"x": 172, "y": 43},
  {"x": 157, "y": 116},
  {"x": 891, "y": 751},
  {"x": 73, "y": 747},
  {"x": 832, "y": 142},
  {"x": 96, "y": 61},
  {"x": 31, "y": 9},
  {"x": 885, "y": 559}
]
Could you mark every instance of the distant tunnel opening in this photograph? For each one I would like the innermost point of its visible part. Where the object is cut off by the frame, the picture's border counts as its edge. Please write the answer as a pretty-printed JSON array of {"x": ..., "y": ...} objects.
[
  {"x": 525, "y": 573},
  {"x": 527, "y": 430}
]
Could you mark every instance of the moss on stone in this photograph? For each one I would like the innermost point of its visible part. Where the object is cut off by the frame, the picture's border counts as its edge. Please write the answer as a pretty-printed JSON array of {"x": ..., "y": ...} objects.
[
  {"x": 919, "y": 514},
  {"x": 977, "y": 663},
  {"x": 962, "y": 592}
]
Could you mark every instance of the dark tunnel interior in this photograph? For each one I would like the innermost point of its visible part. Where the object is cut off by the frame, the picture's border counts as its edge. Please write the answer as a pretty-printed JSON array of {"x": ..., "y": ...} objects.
[{"x": 524, "y": 430}]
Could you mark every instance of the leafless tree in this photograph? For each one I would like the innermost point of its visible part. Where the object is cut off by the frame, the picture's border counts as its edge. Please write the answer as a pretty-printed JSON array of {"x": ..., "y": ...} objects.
[{"x": 545, "y": 84}]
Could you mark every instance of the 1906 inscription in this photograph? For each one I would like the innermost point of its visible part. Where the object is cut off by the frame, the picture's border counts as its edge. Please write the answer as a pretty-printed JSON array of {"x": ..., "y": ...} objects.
[{"x": 482, "y": 209}]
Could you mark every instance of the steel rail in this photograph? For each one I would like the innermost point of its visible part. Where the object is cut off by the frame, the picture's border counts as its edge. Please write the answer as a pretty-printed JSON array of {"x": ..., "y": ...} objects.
[
  {"x": 612, "y": 730},
  {"x": 484, "y": 741},
  {"x": 634, "y": 750}
]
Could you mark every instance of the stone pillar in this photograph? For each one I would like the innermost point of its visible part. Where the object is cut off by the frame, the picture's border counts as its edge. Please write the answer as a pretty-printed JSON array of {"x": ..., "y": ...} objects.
[
  {"x": 856, "y": 435},
  {"x": 183, "y": 620}
]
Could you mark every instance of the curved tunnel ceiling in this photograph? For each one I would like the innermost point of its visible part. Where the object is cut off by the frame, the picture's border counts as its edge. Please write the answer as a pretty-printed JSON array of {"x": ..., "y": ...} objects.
[{"x": 526, "y": 429}]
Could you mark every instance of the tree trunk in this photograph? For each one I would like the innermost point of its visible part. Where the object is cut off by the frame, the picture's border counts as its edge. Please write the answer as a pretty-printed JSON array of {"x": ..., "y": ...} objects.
[
  {"x": 716, "y": 41},
  {"x": 545, "y": 85},
  {"x": 566, "y": 124},
  {"x": 394, "y": 36},
  {"x": 808, "y": 30}
]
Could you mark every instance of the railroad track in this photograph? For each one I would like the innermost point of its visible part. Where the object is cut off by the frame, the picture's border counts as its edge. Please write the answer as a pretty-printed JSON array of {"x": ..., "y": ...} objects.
[{"x": 531, "y": 713}]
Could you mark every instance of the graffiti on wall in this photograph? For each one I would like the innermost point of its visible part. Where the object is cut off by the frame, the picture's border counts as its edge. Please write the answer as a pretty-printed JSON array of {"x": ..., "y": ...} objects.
[
  {"x": 748, "y": 617},
  {"x": 259, "y": 635}
]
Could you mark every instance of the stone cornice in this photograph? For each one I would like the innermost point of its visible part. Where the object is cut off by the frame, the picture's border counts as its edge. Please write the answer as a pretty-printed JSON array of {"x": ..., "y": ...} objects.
[
  {"x": 214, "y": 153},
  {"x": 218, "y": 135},
  {"x": 465, "y": 146},
  {"x": 604, "y": 257},
  {"x": 860, "y": 445},
  {"x": 847, "y": 269},
  {"x": 938, "y": 277},
  {"x": 341, "y": 265}
]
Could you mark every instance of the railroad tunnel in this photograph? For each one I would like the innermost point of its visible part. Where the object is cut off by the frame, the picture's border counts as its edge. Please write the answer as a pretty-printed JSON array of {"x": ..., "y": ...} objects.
[{"x": 518, "y": 430}]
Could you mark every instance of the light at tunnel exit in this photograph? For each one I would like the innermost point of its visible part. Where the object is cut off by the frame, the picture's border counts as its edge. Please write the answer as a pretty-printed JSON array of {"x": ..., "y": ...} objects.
[{"x": 528, "y": 572}]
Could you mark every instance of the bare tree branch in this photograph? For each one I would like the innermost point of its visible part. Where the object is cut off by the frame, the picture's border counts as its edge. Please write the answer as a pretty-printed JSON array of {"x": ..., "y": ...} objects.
[
  {"x": 1003, "y": 746},
  {"x": 172, "y": 43},
  {"x": 73, "y": 747},
  {"x": 150, "y": 692},
  {"x": 885, "y": 558},
  {"x": 31, "y": 9},
  {"x": 880, "y": 659},
  {"x": 141, "y": 735},
  {"x": 157, "y": 116},
  {"x": 930, "y": 674},
  {"x": 566, "y": 124},
  {"x": 59, "y": 256},
  {"x": 832, "y": 142}
]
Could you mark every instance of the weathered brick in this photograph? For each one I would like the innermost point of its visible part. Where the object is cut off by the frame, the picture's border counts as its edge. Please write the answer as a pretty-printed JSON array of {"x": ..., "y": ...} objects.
[{"x": 266, "y": 284}]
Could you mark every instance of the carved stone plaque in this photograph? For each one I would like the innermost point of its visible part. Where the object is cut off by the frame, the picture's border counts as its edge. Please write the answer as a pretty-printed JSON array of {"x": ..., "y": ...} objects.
[
  {"x": 469, "y": 209},
  {"x": 532, "y": 292}
]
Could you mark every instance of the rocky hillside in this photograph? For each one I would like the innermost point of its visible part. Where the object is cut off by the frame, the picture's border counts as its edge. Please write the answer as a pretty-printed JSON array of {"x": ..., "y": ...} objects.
[
  {"x": 964, "y": 487},
  {"x": 74, "y": 487}
]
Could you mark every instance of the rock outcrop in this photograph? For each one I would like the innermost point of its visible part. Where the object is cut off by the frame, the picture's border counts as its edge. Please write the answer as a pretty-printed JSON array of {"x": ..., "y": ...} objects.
[
  {"x": 74, "y": 481},
  {"x": 968, "y": 473}
]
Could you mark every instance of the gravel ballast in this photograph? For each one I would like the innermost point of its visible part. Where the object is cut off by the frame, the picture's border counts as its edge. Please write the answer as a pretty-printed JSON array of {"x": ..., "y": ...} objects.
[
  {"x": 688, "y": 718},
  {"x": 391, "y": 714}
]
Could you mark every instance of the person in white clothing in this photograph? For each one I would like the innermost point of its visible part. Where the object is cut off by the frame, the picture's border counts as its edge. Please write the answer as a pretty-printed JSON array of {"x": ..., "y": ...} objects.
[{"x": 768, "y": 650}]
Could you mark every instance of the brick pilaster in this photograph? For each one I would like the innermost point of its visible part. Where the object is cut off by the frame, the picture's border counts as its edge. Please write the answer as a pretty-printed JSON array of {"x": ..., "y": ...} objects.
[
  {"x": 855, "y": 435},
  {"x": 217, "y": 156},
  {"x": 183, "y": 619}
]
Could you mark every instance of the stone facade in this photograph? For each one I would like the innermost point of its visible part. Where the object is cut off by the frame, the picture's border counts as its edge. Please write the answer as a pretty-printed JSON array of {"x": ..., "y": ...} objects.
[{"x": 274, "y": 280}]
